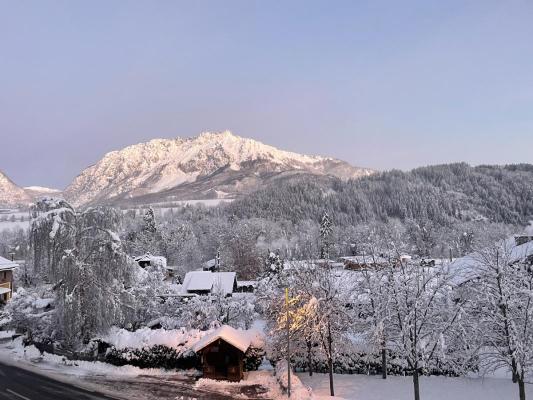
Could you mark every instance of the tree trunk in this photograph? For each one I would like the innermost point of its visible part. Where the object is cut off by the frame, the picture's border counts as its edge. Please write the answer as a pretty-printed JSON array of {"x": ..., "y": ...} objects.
[
  {"x": 513, "y": 370},
  {"x": 416, "y": 384},
  {"x": 521, "y": 388},
  {"x": 330, "y": 362},
  {"x": 384, "y": 362},
  {"x": 309, "y": 359}
]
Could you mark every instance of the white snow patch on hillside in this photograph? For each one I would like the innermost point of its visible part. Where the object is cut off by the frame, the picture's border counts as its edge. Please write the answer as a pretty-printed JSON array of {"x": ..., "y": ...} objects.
[{"x": 42, "y": 189}]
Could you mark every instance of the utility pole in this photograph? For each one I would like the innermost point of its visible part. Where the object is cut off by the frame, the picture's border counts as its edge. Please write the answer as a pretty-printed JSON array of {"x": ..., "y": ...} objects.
[{"x": 288, "y": 344}]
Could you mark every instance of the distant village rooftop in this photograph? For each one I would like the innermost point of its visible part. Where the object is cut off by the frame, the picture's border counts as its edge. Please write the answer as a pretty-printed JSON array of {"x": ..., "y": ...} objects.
[
  {"x": 204, "y": 282},
  {"x": 7, "y": 264}
]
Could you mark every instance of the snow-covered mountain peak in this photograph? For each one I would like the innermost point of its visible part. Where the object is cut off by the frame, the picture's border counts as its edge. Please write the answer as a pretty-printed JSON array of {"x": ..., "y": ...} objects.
[
  {"x": 41, "y": 189},
  {"x": 11, "y": 194},
  {"x": 163, "y": 164}
]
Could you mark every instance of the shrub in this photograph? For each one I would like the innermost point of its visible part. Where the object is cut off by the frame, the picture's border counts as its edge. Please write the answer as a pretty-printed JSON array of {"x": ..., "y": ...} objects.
[{"x": 157, "y": 356}]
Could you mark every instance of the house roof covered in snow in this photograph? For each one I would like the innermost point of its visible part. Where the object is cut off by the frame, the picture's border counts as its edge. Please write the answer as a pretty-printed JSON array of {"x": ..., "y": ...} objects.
[
  {"x": 468, "y": 267},
  {"x": 222, "y": 282},
  {"x": 365, "y": 259},
  {"x": 237, "y": 338},
  {"x": 7, "y": 264},
  {"x": 247, "y": 283},
  {"x": 146, "y": 258},
  {"x": 153, "y": 260}
]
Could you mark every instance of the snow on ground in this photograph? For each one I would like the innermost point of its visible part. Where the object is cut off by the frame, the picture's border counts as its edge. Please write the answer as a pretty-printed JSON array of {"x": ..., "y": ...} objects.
[
  {"x": 364, "y": 387},
  {"x": 255, "y": 383},
  {"x": 6, "y": 334},
  {"x": 135, "y": 383}
]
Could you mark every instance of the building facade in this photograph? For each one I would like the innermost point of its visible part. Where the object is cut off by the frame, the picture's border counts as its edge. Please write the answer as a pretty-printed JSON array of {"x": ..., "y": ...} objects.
[{"x": 6, "y": 279}]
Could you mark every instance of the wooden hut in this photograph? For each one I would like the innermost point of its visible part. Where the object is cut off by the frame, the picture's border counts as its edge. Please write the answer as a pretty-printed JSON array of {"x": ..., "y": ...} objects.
[{"x": 222, "y": 353}]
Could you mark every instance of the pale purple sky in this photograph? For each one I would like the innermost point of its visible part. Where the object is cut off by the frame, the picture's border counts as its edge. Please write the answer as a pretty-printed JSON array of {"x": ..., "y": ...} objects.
[{"x": 379, "y": 84}]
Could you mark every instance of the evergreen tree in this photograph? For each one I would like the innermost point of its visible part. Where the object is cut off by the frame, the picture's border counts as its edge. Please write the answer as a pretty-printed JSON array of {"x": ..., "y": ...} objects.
[
  {"x": 326, "y": 228},
  {"x": 149, "y": 225}
]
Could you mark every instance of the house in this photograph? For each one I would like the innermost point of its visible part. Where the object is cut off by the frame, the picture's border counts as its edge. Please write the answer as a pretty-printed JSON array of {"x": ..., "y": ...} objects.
[
  {"x": 222, "y": 353},
  {"x": 467, "y": 268},
  {"x": 206, "y": 282},
  {"x": 356, "y": 263},
  {"x": 150, "y": 260},
  {"x": 246, "y": 286},
  {"x": 522, "y": 239},
  {"x": 6, "y": 279}
]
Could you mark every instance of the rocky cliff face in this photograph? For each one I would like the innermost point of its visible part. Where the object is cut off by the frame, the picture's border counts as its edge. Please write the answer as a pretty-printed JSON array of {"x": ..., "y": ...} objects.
[{"x": 211, "y": 165}]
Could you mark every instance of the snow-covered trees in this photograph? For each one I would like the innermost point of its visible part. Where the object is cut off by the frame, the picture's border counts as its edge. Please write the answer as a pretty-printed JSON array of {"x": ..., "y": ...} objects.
[
  {"x": 93, "y": 267},
  {"x": 371, "y": 299},
  {"x": 81, "y": 254},
  {"x": 424, "y": 318},
  {"x": 49, "y": 236},
  {"x": 325, "y": 235},
  {"x": 274, "y": 264},
  {"x": 504, "y": 308},
  {"x": 318, "y": 309},
  {"x": 149, "y": 225},
  {"x": 204, "y": 312}
]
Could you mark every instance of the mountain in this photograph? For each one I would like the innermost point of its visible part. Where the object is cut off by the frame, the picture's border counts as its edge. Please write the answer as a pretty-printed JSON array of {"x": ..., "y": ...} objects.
[
  {"x": 209, "y": 166},
  {"x": 444, "y": 195},
  {"x": 36, "y": 192},
  {"x": 12, "y": 195}
]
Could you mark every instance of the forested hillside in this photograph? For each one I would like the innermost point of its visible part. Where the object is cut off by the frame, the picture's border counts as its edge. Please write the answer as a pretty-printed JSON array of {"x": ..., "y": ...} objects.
[{"x": 442, "y": 194}]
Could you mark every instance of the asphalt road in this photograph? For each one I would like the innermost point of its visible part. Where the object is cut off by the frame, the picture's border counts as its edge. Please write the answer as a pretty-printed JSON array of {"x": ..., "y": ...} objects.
[{"x": 19, "y": 384}]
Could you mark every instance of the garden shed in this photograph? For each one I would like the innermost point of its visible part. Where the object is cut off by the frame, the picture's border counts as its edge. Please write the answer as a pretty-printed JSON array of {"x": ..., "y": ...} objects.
[{"x": 222, "y": 353}]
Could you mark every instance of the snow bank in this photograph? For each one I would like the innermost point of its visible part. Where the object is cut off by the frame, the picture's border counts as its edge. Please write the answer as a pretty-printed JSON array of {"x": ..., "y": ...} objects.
[
  {"x": 173, "y": 338},
  {"x": 14, "y": 351},
  {"x": 264, "y": 379},
  {"x": 146, "y": 337},
  {"x": 298, "y": 390}
]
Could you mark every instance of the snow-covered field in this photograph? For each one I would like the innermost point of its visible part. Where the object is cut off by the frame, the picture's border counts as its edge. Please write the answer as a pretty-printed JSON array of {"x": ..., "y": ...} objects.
[
  {"x": 13, "y": 219},
  {"x": 364, "y": 387}
]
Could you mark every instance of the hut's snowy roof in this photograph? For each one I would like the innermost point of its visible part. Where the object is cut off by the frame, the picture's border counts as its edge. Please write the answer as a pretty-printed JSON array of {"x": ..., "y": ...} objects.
[
  {"x": 146, "y": 258},
  {"x": 211, "y": 281},
  {"x": 239, "y": 339},
  {"x": 7, "y": 264},
  {"x": 160, "y": 260}
]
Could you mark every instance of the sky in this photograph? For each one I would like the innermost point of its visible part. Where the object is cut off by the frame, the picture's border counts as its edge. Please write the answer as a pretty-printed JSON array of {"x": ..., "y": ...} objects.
[{"x": 380, "y": 84}]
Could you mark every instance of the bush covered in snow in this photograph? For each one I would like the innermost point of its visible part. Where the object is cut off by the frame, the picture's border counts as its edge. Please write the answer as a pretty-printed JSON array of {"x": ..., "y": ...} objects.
[
  {"x": 158, "y": 356},
  {"x": 31, "y": 311},
  {"x": 253, "y": 358},
  {"x": 358, "y": 362}
]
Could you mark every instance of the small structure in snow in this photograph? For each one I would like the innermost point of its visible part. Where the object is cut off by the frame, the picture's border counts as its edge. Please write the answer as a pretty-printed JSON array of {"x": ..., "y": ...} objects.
[
  {"x": 246, "y": 286},
  {"x": 150, "y": 260},
  {"x": 522, "y": 239},
  {"x": 222, "y": 353},
  {"x": 206, "y": 282},
  {"x": 356, "y": 263},
  {"x": 6, "y": 278}
]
